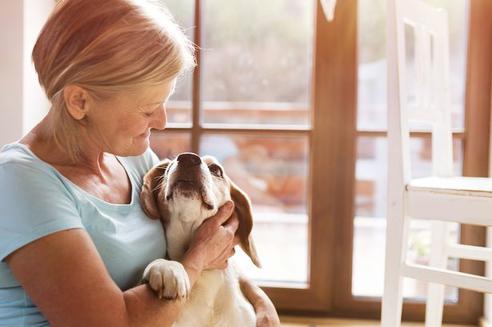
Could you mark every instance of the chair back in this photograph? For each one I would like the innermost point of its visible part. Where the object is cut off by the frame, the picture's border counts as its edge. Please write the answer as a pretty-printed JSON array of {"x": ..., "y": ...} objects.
[{"x": 423, "y": 59}]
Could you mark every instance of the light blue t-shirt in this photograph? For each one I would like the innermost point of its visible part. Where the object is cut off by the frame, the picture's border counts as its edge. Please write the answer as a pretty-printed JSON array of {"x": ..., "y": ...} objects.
[{"x": 36, "y": 200}]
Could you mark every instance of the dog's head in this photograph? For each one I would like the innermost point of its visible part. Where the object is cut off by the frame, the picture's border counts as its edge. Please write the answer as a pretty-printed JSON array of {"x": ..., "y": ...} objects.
[{"x": 192, "y": 188}]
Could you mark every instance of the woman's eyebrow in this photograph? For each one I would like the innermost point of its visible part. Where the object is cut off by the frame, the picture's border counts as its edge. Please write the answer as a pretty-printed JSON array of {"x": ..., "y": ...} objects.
[
  {"x": 158, "y": 102},
  {"x": 155, "y": 103},
  {"x": 161, "y": 101}
]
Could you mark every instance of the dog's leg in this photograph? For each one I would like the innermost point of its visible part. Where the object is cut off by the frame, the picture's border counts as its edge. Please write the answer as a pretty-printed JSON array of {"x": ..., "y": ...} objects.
[{"x": 168, "y": 279}]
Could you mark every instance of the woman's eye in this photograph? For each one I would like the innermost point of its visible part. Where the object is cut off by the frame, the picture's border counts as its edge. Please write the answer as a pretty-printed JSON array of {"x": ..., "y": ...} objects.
[
  {"x": 215, "y": 170},
  {"x": 149, "y": 111}
]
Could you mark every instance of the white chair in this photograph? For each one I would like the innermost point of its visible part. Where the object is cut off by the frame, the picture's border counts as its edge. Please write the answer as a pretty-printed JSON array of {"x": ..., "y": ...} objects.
[{"x": 441, "y": 197}]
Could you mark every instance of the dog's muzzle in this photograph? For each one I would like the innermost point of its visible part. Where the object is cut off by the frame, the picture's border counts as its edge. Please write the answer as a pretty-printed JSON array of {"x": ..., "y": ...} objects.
[{"x": 188, "y": 178}]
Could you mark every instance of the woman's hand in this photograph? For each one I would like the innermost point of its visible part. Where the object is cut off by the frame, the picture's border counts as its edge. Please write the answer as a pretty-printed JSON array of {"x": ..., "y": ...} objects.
[
  {"x": 266, "y": 315},
  {"x": 213, "y": 242}
]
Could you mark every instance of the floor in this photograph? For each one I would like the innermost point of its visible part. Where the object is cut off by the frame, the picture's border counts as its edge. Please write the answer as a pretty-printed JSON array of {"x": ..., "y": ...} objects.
[{"x": 315, "y": 322}]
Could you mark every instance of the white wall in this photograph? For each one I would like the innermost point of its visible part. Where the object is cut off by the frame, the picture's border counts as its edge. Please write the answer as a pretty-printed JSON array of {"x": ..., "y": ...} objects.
[
  {"x": 22, "y": 101},
  {"x": 36, "y": 104},
  {"x": 11, "y": 64}
]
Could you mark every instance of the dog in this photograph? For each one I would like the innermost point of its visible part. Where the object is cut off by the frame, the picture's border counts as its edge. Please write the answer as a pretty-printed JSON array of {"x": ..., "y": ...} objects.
[{"x": 182, "y": 193}]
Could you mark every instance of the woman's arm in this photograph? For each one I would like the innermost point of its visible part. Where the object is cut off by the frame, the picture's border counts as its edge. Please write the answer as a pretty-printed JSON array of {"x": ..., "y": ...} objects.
[
  {"x": 266, "y": 315},
  {"x": 66, "y": 278}
]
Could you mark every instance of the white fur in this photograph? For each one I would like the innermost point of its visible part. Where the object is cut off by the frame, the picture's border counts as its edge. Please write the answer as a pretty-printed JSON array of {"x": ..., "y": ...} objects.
[
  {"x": 168, "y": 278},
  {"x": 215, "y": 299}
]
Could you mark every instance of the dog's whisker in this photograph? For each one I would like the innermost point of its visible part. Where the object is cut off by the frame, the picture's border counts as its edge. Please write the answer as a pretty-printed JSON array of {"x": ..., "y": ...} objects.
[
  {"x": 156, "y": 187},
  {"x": 158, "y": 182}
]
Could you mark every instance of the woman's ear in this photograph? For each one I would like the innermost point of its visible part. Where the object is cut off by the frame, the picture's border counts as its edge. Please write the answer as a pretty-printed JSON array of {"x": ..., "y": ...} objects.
[
  {"x": 152, "y": 184},
  {"x": 76, "y": 101},
  {"x": 243, "y": 210}
]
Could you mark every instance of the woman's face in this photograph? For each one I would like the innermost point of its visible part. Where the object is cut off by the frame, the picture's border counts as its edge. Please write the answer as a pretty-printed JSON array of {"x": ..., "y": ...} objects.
[{"x": 122, "y": 124}]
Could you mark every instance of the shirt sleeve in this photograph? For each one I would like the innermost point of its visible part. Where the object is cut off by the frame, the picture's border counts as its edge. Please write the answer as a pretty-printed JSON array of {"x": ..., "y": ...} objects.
[{"x": 33, "y": 203}]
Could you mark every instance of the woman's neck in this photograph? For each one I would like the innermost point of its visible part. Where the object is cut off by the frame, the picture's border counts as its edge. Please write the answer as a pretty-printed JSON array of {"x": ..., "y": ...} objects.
[{"x": 41, "y": 142}]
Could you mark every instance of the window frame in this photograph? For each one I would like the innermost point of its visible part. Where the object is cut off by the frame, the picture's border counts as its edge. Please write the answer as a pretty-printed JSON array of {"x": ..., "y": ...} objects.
[
  {"x": 332, "y": 142},
  {"x": 316, "y": 295}
]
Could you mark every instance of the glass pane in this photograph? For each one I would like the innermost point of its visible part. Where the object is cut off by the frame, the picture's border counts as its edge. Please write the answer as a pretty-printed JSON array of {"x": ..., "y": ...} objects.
[
  {"x": 372, "y": 61},
  {"x": 180, "y": 104},
  {"x": 169, "y": 144},
  {"x": 256, "y": 63},
  {"x": 273, "y": 171},
  {"x": 370, "y": 213}
]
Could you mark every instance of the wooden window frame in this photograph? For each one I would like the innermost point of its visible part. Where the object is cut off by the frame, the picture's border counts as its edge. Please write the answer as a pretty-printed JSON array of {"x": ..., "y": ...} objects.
[
  {"x": 332, "y": 143},
  {"x": 475, "y": 138}
]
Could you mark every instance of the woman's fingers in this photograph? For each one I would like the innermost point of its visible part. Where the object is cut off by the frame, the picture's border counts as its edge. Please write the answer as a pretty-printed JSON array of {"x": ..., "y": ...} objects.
[
  {"x": 232, "y": 224},
  {"x": 222, "y": 260},
  {"x": 217, "y": 236},
  {"x": 223, "y": 214}
]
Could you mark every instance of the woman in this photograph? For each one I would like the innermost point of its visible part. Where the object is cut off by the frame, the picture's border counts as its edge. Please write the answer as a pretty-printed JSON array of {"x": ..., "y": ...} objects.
[{"x": 73, "y": 237}]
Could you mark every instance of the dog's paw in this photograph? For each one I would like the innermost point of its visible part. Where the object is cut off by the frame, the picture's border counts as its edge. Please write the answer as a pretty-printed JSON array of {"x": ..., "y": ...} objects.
[{"x": 168, "y": 279}]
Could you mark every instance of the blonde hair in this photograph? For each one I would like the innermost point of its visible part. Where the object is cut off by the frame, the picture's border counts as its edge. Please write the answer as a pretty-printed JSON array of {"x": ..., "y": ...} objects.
[{"x": 106, "y": 47}]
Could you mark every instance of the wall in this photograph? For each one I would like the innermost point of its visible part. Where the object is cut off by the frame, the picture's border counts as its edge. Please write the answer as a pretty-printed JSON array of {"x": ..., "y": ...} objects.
[
  {"x": 22, "y": 101},
  {"x": 36, "y": 104}
]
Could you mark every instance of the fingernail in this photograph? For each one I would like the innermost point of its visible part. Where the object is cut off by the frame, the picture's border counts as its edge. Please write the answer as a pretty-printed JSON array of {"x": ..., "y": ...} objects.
[{"x": 229, "y": 205}]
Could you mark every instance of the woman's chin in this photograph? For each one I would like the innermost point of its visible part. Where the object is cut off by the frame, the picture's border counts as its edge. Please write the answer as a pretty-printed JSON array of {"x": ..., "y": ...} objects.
[
  {"x": 138, "y": 150},
  {"x": 135, "y": 149}
]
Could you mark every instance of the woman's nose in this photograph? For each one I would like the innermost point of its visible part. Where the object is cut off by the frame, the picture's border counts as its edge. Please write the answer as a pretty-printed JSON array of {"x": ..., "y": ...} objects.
[{"x": 160, "y": 118}]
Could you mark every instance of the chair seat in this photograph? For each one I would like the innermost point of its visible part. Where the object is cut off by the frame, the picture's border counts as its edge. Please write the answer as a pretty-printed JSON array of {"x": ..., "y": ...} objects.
[
  {"x": 471, "y": 186},
  {"x": 466, "y": 200}
]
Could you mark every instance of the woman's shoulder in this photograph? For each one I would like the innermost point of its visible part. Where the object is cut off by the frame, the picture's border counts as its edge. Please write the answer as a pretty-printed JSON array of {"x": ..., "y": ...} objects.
[
  {"x": 33, "y": 200},
  {"x": 17, "y": 160},
  {"x": 15, "y": 155}
]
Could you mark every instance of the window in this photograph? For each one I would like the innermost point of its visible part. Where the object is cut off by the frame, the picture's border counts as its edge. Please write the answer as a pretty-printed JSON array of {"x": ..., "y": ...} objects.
[
  {"x": 298, "y": 118},
  {"x": 251, "y": 108}
]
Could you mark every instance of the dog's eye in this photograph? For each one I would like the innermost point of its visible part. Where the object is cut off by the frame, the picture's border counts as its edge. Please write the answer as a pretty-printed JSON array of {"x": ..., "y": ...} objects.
[{"x": 215, "y": 170}]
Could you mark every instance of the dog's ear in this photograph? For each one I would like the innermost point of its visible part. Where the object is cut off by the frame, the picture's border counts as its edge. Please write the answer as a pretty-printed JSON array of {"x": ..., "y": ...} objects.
[
  {"x": 150, "y": 189},
  {"x": 242, "y": 208}
]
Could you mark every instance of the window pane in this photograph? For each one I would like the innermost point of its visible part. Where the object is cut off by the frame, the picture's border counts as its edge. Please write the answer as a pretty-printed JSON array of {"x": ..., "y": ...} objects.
[
  {"x": 180, "y": 104},
  {"x": 169, "y": 144},
  {"x": 370, "y": 213},
  {"x": 372, "y": 61},
  {"x": 256, "y": 63},
  {"x": 273, "y": 172}
]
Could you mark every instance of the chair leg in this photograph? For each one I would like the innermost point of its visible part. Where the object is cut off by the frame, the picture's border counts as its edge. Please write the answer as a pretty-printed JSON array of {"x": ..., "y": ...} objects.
[
  {"x": 438, "y": 259},
  {"x": 396, "y": 244},
  {"x": 487, "y": 309},
  {"x": 434, "y": 306}
]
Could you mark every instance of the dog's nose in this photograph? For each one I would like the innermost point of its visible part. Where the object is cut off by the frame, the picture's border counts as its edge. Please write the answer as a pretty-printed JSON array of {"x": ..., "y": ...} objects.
[{"x": 189, "y": 159}]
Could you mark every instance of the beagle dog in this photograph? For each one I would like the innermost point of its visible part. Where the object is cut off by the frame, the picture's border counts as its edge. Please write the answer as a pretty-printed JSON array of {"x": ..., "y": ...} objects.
[{"x": 182, "y": 193}]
